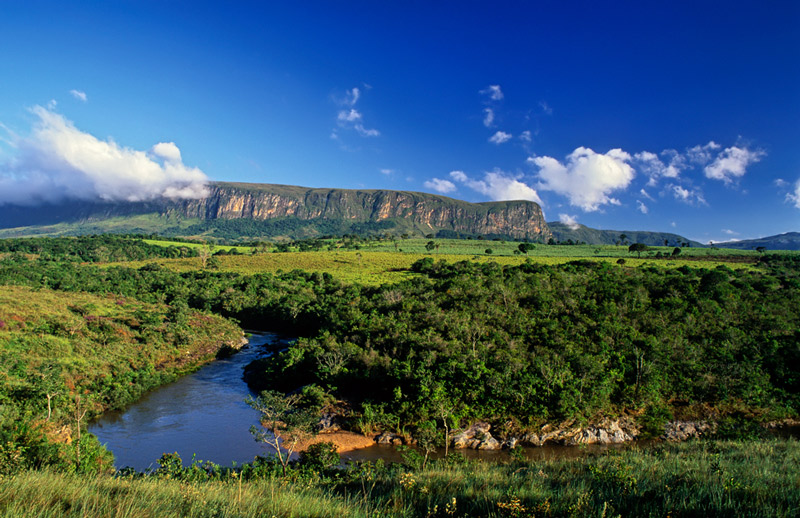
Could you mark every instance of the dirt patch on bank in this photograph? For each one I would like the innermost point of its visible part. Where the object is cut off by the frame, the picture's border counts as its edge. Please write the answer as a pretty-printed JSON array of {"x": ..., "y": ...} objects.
[{"x": 345, "y": 441}]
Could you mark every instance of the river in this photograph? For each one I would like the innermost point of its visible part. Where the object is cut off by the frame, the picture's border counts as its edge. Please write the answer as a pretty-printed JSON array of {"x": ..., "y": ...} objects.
[{"x": 204, "y": 415}]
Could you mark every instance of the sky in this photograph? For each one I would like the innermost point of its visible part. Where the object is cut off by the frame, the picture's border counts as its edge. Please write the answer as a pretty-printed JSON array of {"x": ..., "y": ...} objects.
[{"x": 666, "y": 116}]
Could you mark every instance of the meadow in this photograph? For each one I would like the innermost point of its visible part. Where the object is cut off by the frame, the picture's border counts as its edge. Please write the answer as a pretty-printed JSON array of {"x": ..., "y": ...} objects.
[
  {"x": 382, "y": 261},
  {"x": 698, "y": 479}
]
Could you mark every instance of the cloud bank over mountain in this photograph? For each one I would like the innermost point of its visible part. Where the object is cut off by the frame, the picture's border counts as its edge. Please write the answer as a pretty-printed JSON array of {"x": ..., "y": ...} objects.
[{"x": 58, "y": 161}]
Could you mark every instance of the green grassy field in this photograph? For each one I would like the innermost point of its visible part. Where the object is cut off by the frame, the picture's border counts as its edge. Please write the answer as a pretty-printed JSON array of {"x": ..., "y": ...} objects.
[
  {"x": 700, "y": 479},
  {"x": 376, "y": 266}
]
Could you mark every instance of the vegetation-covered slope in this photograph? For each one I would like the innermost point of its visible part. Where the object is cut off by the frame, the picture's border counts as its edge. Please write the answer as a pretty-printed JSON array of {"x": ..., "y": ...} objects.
[
  {"x": 592, "y": 236},
  {"x": 66, "y": 354}
]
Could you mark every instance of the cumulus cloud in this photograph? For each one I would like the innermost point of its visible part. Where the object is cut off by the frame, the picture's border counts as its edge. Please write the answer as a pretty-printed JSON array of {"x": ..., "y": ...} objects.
[
  {"x": 732, "y": 163},
  {"x": 525, "y": 136},
  {"x": 439, "y": 185},
  {"x": 488, "y": 117},
  {"x": 59, "y": 161},
  {"x": 570, "y": 221},
  {"x": 77, "y": 94},
  {"x": 641, "y": 207},
  {"x": 498, "y": 186},
  {"x": 494, "y": 92},
  {"x": 794, "y": 196},
  {"x": 651, "y": 165},
  {"x": 586, "y": 178},
  {"x": 168, "y": 151},
  {"x": 500, "y": 137},
  {"x": 730, "y": 232}
]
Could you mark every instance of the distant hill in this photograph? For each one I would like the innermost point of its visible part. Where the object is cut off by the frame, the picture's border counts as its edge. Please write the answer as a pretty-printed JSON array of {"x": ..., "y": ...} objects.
[
  {"x": 563, "y": 233},
  {"x": 240, "y": 210},
  {"x": 787, "y": 241}
]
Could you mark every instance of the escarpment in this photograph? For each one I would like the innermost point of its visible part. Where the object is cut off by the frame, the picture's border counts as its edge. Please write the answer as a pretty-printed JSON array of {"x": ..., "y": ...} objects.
[{"x": 519, "y": 219}]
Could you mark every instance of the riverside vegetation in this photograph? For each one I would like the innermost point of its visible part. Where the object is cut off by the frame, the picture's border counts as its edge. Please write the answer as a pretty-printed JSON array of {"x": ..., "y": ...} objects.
[{"x": 454, "y": 342}]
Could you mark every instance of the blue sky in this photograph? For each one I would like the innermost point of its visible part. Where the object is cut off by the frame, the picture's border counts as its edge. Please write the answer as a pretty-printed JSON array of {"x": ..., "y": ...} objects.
[{"x": 678, "y": 116}]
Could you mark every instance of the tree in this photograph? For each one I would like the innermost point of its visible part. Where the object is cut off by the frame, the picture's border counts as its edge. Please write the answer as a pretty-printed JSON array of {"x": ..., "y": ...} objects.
[
  {"x": 430, "y": 245},
  {"x": 638, "y": 248},
  {"x": 623, "y": 238},
  {"x": 676, "y": 252},
  {"x": 283, "y": 423},
  {"x": 488, "y": 251},
  {"x": 525, "y": 247}
]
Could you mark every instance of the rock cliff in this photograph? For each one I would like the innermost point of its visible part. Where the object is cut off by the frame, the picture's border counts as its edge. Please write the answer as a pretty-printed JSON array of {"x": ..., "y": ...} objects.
[{"x": 426, "y": 212}]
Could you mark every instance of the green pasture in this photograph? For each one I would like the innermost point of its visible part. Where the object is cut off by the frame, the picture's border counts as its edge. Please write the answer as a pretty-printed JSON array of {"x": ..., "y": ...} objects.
[{"x": 380, "y": 267}]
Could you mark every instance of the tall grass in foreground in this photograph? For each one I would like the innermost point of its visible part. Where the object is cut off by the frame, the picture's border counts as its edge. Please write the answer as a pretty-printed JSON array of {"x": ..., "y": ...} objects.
[{"x": 699, "y": 479}]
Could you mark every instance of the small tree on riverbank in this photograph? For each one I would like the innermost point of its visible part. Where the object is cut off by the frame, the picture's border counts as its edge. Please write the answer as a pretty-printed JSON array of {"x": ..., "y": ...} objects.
[{"x": 283, "y": 423}]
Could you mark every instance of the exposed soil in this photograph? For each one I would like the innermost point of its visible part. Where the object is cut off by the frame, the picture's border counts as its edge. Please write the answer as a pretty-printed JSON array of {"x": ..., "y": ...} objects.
[{"x": 346, "y": 441}]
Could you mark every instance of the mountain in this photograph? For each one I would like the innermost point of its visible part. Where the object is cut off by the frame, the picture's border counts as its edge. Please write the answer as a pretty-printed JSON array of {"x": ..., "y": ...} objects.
[
  {"x": 264, "y": 210},
  {"x": 787, "y": 241},
  {"x": 563, "y": 232}
]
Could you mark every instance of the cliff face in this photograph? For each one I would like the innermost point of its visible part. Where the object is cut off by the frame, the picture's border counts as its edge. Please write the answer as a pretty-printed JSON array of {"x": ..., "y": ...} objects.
[{"x": 520, "y": 219}]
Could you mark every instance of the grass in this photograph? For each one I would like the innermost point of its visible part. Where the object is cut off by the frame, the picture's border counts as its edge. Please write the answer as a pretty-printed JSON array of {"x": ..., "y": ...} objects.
[
  {"x": 697, "y": 479},
  {"x": 375, "y": 267}
]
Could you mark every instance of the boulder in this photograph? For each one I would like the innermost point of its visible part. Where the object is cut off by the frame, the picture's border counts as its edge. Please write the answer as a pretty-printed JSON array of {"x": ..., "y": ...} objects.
[
  {"x": 683, "y": 430},
  {"x": 476, "y": 437}
]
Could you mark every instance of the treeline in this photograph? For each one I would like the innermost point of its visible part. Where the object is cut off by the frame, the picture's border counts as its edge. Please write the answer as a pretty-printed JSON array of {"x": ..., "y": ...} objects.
[
  {"x": 101, "y": 248},
  {"x": 244, "y": 228}
]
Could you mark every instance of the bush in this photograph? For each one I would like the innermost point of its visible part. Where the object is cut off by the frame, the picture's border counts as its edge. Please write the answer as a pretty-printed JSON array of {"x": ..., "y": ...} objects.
[{"x": 320, "y": 456}]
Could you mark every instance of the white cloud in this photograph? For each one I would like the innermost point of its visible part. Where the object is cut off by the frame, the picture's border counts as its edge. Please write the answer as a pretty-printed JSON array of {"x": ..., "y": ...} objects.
[
  {"x": 364, "y": 132},
  {"x": 350, "y": 117},
  {"x": 651, "y": 165},
  {"x": 51, "y": 104},
  {"x": 646, "y": 194},
  {"x": 546, "y": 108},
  {"x": 732, "y": 163},
  {"x": 59, "y": 161},
  {"x": 795, "y": 196},
  {"x": 498, "y": 186},
  {"x": 77, "y": 94},
  {"x": 673, "y": 224},
  {"x": 525, "y": 136},
  {"x": 500, "y": 137},
  {"x": 730, "y": 232},
  {"x": 570, "y": 221},
  {"x": 494, "y": 92},
  {"x": 387, "y": 172},
  {"x": 702, "y": 154},
  {"x": 459, "y": 176},
  {"x": 488, "y": 117},
  {"x": 641, "y": 207},
  {"x": 352, "y": 96},
  {"x": 685, "y": 195},
  {"x": 439, "y": 185},
  {"x": 587, "y": 178},
  {"x": 168, "y": 151}
]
